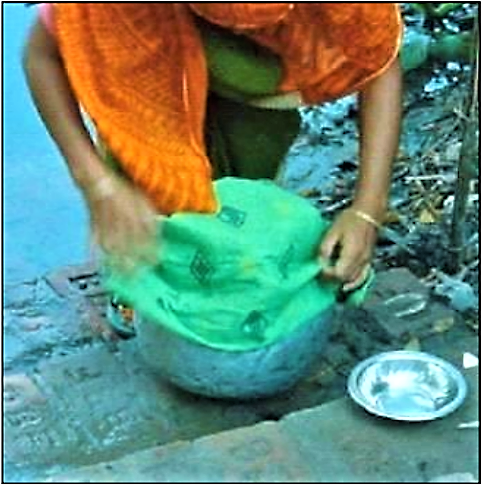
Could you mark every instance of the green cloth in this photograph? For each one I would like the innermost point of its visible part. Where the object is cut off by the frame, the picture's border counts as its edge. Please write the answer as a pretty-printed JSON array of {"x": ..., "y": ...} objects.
[
  {"x": 242, "y": 140},
  {"x": 245, "y": 277},
  {"x": 238, "y": 68},
  {"x": 239, "y": 279}
]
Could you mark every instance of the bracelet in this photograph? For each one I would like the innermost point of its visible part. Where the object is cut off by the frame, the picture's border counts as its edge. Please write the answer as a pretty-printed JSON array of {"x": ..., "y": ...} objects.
[{"x": 366, "y": 217}]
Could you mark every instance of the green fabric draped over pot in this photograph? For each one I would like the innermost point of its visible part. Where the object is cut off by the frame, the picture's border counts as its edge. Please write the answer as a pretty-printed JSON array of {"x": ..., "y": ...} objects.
[
  {"x": 236, "y": 280},
  {"x": 247, "y": 276}
]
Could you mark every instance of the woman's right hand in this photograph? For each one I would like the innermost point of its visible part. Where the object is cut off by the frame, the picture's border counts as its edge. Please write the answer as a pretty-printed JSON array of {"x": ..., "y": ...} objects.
[
  {"x": 123, "y": 222},
  {"x": 122, "y": 219}
]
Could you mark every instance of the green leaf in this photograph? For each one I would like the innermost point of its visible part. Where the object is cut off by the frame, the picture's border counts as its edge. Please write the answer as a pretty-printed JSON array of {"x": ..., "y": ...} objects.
[{"x": 415, "y": 50}]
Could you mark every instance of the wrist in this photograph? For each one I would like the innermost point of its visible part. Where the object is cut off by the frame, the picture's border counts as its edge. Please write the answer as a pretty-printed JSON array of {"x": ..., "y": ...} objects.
[
  {"x": 364, "y": 216},
  {"x": 90, "y": 174},
  {"x": 101, "y": 188},
  {"x": 97, "y": 183},
  {"x": 375, "y": 207}
]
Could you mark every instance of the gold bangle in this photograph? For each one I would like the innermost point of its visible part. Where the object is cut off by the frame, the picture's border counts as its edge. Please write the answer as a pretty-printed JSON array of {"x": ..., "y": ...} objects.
[{"x": 366, "y": 217}]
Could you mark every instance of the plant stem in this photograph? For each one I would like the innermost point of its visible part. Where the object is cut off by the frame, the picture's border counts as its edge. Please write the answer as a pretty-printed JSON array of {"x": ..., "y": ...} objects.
[{"x": 466, "y": 163}]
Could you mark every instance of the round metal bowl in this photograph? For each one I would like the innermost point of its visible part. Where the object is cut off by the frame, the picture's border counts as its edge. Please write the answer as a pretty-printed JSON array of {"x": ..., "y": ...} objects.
[{"x": 407, "y": 385}]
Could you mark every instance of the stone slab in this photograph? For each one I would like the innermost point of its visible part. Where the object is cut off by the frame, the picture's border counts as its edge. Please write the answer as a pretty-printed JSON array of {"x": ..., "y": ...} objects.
[
  {"x": 32, "y": 423},
  {"x": 73, "y": 399},
  {"x": 377, "y": 450},
  {"x": 398, "y": 282},
  {"x": 38, "y": 322},
  {"x": 336, "y": 442}
]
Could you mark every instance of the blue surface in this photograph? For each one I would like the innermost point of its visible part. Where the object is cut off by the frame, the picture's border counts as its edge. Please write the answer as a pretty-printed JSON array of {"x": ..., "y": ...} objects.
[{"x": 45, "y": 223}]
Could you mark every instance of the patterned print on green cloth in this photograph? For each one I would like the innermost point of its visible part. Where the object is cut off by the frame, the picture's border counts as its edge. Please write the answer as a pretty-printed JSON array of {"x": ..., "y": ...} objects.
[{"x": 239, "y": 279}]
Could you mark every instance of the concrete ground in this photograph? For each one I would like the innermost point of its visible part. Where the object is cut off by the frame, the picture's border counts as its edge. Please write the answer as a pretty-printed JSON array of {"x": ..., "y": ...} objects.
[
  {"x": 80, "y": 406},
  {"x": 335, "y": 442}
]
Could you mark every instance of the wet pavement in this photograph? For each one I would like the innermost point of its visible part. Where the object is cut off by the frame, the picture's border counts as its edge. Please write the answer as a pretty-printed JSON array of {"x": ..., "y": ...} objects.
[
  {"x": 74, "y": 397},
  {"x": 45, "y": 223}
]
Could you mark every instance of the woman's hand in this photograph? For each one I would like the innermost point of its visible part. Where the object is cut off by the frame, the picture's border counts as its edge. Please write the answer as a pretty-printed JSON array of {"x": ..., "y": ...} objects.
[
  {"x": 347, "y": 249},
  {"x": 123, "y": 222}
]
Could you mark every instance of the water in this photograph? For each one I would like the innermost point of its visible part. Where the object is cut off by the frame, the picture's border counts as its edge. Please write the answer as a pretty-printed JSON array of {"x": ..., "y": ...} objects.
[{"x": 45, "y": 224}]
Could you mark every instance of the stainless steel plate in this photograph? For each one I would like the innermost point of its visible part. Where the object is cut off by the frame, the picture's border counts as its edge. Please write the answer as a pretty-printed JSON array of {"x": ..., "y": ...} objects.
[{"x": 407, "y": 385}]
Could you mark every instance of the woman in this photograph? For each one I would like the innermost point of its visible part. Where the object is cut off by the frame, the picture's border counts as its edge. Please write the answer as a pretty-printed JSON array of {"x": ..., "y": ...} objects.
[{"x": 162, "y": 83}]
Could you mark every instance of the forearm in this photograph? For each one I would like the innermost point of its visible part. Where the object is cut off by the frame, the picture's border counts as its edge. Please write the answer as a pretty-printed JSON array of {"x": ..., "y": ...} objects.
[
  {"x": 58, "y": 107},
  {"x": 380, "y": 117}
]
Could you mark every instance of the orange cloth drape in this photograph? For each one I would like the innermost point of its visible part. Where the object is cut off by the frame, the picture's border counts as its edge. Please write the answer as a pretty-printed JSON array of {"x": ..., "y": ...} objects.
[{"x": 139, "y": 71}]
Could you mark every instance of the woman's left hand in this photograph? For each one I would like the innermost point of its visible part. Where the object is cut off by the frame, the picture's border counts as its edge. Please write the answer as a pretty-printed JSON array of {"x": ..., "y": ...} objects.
[{"x": 347, "y": 249}]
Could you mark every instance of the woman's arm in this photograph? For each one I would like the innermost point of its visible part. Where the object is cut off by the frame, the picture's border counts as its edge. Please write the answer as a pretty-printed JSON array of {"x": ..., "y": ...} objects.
[
  {"x": 353, "y": 237},
  {"x": 380, "y": 116},
  {"x": 122, "y": 219},
  {"x": 58, "y": 107}
]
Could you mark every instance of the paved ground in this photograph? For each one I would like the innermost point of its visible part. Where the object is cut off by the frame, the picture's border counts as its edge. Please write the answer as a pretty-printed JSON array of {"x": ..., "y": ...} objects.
[
  {"x": 335, "y": 442},
  {"x": 80, "y": 406}
]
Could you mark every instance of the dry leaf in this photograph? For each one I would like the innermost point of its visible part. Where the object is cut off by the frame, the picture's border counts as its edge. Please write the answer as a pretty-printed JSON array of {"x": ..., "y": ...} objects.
[
  {"x": 391, "y": 217},
  {"x": 413, "y": 345},
  {"x": 443, "y": 325},
  {"x": 473, "y": 324},
  {"x": 310, "y": 192},
  {"x": 428, "y": 217}
]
